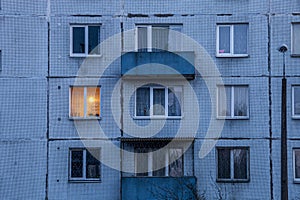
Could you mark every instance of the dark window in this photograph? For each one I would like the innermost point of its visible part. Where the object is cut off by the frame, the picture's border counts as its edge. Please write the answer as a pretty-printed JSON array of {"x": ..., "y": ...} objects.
[{"x": 233, "y": 164}]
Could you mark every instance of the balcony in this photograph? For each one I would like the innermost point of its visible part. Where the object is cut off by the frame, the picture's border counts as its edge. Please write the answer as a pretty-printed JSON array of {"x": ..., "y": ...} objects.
[
  {"x": 158, "y": 64},
  {"x": 155, "y": 188}
]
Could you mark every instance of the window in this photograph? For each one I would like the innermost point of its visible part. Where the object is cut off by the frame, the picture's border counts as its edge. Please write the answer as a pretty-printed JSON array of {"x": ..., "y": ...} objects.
[
  {"x": 296, "y": 102},
  {"x": 157, "y": 37},
  {"x": 158, "y": 102},
  {"x": 84, "y": 102},
  {"x": 85, "y": 40},
  {"x": 169, "y": 163},
  {"x": 233, "y": 102},
  {"x": 0, "y": 60},
  {"x": 85, "y": 164},
  {"x": 232, "y": 40},
  {"x": 296, "y": 160},
  {"x": 296, "y": 39},
  {"x": 233, "y": 164}
]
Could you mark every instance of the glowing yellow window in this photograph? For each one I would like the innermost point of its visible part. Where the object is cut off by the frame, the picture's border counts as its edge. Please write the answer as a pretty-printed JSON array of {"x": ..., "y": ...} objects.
[{"x": 85, "y": 102}]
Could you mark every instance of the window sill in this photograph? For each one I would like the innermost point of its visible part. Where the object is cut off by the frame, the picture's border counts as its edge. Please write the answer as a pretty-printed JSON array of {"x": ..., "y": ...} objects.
[
  {"x": 233, "y": 180},
  {"x": 296, "y": 181},
  {"x": 158, "y": 118},
  {"x": 232, "y": 55},
  {"x": 84, "y": 181},
  {"x": 295, "y": 55},
  {"x": 296, "y": 117},
  {"x": 233, "y": 118},
  {"x": 85, "y": 56},
  {"x": 84, "y": 118}
]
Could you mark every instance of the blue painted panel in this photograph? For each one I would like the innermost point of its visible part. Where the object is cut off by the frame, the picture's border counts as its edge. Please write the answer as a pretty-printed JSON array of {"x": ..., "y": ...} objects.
[
  {"x": 154, "y": 188},
  {"x": 158, "y": 63}
]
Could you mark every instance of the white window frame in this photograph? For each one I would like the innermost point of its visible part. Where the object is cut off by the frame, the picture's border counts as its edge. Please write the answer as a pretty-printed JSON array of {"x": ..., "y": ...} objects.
[
  {"x": 150, "y": 162},
  {"x": 296, "y": 180},
  {"x": 86, "y": 40},
  {"x": 292, "y": 39},
  {"x": 232, "y": 116},
  {"x": 166, "y": 115},
  {"x": 149, "y": 34},
  {"x": 84, "y": 178},
  {"x": 294, "y": 116},
  {"x": 232, "y": 179},
  {"x": 231, "y": 54},
  {"x": 85, "y": 103}
]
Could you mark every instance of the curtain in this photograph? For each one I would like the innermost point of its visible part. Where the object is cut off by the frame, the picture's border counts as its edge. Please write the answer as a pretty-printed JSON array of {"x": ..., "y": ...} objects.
[
  {"x": 159, "y": 101},
  {"x": 160, "y": 37},
  {"x": 77, "y": 101},
  {"x": 240, "y": 163},
  {"x": 176, "y": 162},
  {"x": 93, "y": 101},
  {"x": 224, "y": 101},
  {"x": 141, "y": 162},
  {"x": 240, "y": 101},
  {"x": 174, "y": 43},
  {"x": 143, "y": 101},
  {"x": 142, "y": 38},
  {"x": 174, "y": 101}
]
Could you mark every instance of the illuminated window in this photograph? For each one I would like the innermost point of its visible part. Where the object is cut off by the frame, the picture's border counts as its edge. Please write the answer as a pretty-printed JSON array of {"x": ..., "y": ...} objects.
[
  {"x": 84, "y": 40},
  {"x": 85, "y": 102},
  {"x": 85, "y": 164}
]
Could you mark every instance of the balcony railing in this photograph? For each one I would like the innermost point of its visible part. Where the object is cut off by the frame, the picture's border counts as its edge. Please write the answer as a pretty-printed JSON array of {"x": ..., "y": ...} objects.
[
  {"x": 158, "y": 64},
  {"x": 151, "y": 188}
]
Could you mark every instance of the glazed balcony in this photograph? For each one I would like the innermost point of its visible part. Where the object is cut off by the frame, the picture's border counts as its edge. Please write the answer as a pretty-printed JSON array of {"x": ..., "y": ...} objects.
[{"x": 158, "y": 64}]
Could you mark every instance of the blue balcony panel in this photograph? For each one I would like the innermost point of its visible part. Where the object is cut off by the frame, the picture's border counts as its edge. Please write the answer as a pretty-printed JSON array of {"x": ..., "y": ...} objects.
[
  {"x": 155, "y": 188},
  {"x": 158, "y": 64}
]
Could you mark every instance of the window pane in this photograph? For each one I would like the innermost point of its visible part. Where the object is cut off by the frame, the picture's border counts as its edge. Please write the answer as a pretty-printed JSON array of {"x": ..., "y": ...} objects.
[
  {"x": 240, "y": 163},
  {"x": 93, "y": 163},
  {"x": 158, "y": 101},
  {"x": 160, "y": 36},
  {"x": 223, "y": 163},
  {"x": 93, "y": 101},
  {"x": 224, "y": 39},
  {"x": 240, "y": 101},
  {"x": 296, "y": 39},
  {"x": 297, "y": 163},
  {"x": 159, "y": 164},
  {"x": 143, "y": 101},
  {"x": 94, "y": 39},
  {"x": 76, "y": 163},
  {"x": 176, "y": 162},
  {"x": 240, "y": 38},
  {"x": 141, "y": 162},
  {"x": 224, "y": 101},
  {"x": 77, "y": 101},
  {"x": 174, "y": 101},
  {"x": 78, "y": 40},
  {"x": 296, "y": 100},
  {"x": 142, "y": 38}
]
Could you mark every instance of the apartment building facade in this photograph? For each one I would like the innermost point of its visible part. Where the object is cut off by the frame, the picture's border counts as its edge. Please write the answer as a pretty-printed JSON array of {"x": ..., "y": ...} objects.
[{"x": 180, "y": 96}]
